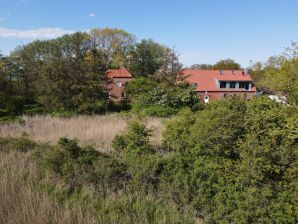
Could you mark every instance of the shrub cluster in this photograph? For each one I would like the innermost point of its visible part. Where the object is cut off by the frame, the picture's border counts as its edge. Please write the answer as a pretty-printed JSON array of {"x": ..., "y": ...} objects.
[
  {"x": 241, "y": 161},
  {"x": 233, "y": 162},
  {"x": 160, "y": 99}
]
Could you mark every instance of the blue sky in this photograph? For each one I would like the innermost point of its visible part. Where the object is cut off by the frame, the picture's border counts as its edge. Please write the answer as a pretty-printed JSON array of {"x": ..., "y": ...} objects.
[{"x": 202, "y": 31}]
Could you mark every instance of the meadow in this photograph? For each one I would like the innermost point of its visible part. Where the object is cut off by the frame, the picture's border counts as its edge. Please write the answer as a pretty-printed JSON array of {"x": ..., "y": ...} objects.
[{"x": 97, "y": 130}]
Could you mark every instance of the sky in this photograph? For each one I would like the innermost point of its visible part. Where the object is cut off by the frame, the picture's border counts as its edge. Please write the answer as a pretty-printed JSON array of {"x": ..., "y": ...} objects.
[{"x": 201, "y": 31}]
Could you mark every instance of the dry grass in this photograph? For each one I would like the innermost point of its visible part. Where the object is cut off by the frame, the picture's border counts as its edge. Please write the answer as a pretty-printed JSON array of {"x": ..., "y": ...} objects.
[
  {"x": 96, "y": 130},
  {"x": 20, "y": 203}
]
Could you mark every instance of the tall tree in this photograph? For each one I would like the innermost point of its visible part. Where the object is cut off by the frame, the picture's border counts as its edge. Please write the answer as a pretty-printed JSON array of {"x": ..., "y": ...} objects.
[
  {"x": 170, "y": 66},
  {"x": 151, "y": 59},
  {"x": 113, "y": 44},
  {"x": 146, "y": 58}
]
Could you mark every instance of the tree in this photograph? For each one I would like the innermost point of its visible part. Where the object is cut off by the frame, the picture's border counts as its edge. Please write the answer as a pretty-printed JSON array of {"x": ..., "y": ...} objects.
[
  {"x": 226, "y": 64},
  {"x": 201, "y": 66},
  {"x": 170, "y": 67},
  {"x": 151, "y": 59},
  {"x": 61, "y": 74},
  {"x": 114, "y": 45},
  {"x": 146, "y": 58},
  {"x": 275, "y": 61},
  {"x": 279, "y": 75}
]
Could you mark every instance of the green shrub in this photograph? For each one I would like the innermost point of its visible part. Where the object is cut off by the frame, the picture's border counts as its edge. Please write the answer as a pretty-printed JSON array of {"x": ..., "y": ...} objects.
[
  {"x": 22, "y": 144},
  {"x": 134, "y": 142},
  {"x": 239, "y": 161},
  {"x": 178, "y": 130},
  {"x": 79, "y": 166},
  {"x": 160, "y": 99}
]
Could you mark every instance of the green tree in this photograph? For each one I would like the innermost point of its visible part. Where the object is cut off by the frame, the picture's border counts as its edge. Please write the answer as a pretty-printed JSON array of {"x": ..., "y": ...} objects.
[
  {"x": 227, "y": 64},
  {"x": 114, "y": 45},
  {"x": 146, "y": 58},
  {"x": 201, "y": 66}
]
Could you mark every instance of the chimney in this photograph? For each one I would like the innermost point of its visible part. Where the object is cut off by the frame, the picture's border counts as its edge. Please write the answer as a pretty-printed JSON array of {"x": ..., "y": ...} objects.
[{"x": 245, "y": 71}]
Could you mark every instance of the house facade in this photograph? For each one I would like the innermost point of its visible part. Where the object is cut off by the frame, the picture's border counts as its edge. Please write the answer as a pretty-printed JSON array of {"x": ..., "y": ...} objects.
[
  {"x": 218, "y": 84},
  {"x": 116, "y": 80}
]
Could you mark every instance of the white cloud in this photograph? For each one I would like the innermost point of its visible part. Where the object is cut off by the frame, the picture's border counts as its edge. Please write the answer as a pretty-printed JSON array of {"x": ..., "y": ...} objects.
[
  {"x": 42, "y": 33},
  {"x": 92, "y": 15},
  {"x": 1, "y": 19}
]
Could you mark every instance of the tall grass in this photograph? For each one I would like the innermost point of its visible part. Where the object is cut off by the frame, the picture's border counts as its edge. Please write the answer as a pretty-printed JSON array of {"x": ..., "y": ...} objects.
[
  {"x": 20, "y": 202},
  {"x": 24, "y": 200},
  {"x": 96, "y": 130}
]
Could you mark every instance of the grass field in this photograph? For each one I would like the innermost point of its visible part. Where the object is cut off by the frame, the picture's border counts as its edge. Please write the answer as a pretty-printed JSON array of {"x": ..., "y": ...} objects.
[
  {"x": 95, "y": 130},
  {"x": 20, "y": 202}
]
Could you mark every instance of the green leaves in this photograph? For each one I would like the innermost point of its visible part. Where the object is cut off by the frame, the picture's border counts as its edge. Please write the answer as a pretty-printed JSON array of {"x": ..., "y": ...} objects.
[
  {"x": 160, "y": 99},
  {"x": 243, "y": 158},
  {"x": 134, "y": 142}
]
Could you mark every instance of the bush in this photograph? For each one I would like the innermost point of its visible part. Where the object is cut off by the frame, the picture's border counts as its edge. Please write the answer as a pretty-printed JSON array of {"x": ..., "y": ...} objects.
[
  {"x": 160, "y": 99},
  {"x": 178, "y": 130},
  {"x": 134, "y": 142},
  {"x": 241, "y": 159},
  {"x": 79, "y": 166},
  {"x": 22, "y": 144}
]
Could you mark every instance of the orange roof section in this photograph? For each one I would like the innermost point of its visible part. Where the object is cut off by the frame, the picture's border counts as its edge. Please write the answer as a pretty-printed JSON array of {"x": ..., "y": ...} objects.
[
  {"x": 118, "y": 73},
  {"x": 207, "y": 79}
]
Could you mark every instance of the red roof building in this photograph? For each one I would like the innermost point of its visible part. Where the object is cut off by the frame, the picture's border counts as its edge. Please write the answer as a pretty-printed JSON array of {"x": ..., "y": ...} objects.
[
  {"x": 216, "y": 84},
  {"x": 116, "y": 79}
]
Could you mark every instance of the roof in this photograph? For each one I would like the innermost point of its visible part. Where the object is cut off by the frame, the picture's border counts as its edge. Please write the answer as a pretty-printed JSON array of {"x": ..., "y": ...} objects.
[
  {"x": 118, "y": 73},
  {"x": 206, "y": 80}
]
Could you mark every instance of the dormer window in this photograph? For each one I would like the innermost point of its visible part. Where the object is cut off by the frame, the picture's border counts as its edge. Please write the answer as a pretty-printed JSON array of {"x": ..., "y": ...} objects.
[
  {"x": 221, "y": 72},
  {"x": 194, "y": 84},
  {"x": 232, "y": 85},
  {"x": 223, "y": 85},
  {"x": 244, "y": 85}
]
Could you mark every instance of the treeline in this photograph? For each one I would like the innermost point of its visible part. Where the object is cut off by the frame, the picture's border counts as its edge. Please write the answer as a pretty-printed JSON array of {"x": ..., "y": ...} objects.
[
  {"x": 279, "y": 75},
  {"x": 66, "y": 75},
  {"x": 235, "y": 161}
]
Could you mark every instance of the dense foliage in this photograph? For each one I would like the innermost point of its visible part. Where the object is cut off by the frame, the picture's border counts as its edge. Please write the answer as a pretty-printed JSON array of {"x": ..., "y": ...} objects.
[
  {"x": 160, "y": 99},
  {"x": 67, "y": 74},
  {"x": 233, "y": 162},
  {"x": 243, "y": 165},
  {"x": 279, "y": 75}
]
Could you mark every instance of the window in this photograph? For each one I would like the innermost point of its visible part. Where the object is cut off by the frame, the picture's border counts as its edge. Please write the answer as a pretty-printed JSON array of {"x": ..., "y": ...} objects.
[
  {"x": 224, "y": 95},
  {"x": 118, "y": 83},
  {"x": 194, "y": 84},
  {"x": 244, "y": 85},
  {"x": 232, "y": 85},
  {"x": 109, "y": 96},
  {"x": 122, "y": 95},
  {"x": 223, "y": 85}
]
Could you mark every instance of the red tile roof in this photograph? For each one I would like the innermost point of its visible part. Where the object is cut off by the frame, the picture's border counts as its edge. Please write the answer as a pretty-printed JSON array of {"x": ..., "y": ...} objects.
[
  {"x": 206, "y": 80},
  {"x": 118, "y": 73}
]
